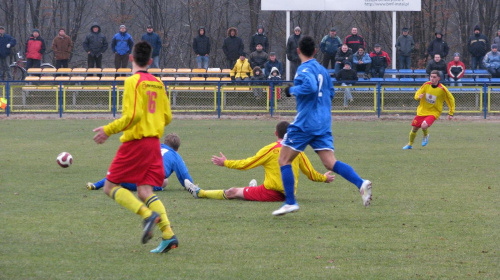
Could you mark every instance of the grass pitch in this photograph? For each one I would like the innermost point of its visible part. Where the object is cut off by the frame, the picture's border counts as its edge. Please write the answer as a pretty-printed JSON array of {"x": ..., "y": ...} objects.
[{"x": 435, "y": 212}]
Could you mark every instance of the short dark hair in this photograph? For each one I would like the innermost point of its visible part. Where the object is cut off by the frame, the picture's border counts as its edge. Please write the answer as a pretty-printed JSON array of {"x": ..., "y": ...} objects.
[
  {"x": 142, "y": 53},
  {"x": 307, "y": 46},
  {"x": 173, "y": 141},
  {"x": 281, "y": 128},
  {"x": 437, "y": 72}
]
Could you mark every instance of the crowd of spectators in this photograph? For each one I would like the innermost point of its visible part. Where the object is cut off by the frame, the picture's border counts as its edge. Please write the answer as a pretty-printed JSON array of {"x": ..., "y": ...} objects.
[{"x": 372, "y": 61}]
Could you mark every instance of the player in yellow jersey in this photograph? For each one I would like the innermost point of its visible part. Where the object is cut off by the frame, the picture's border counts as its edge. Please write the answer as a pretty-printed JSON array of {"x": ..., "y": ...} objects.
[
  {"x": 146, "y": 112},
  {"x": 272, "y": 188},
  {"x": 431, "y": 94}
]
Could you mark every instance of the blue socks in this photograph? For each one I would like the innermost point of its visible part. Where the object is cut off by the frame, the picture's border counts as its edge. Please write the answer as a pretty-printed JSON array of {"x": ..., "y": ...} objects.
[
  {"x": 346, "y": 171},
  {"x": 288, "y": 183},
  {"x": 99, "y": 184}
]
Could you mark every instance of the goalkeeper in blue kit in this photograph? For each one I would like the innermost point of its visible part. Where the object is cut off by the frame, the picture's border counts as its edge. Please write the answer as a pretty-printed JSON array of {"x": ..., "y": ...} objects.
[
  {"x": 313, "y": 91},
  {"x": 172, "y": 162}
]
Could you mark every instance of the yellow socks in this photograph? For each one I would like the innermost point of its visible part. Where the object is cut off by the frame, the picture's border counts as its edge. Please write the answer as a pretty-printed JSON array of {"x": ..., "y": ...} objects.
[
  {"x": 155, "y": 204},
  {"x": 213, "y": 194},
  {"x": 412, "y": 137},
  {"x": 425, "y": 131},
  {"x": 126, "y": 199}
]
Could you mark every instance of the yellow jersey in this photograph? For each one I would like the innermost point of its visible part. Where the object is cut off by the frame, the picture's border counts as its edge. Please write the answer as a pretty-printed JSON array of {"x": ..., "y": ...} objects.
[
  {"x": 268, "y": 158},
  {"x": 146, "y": 109},
  {"x": 432, "y": 102}
]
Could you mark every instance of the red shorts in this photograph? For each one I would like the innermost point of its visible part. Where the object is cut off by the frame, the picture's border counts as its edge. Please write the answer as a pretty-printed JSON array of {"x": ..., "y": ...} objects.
[
  {"x": 260, "y": 193},
  {"x": 138, "y": 162},
  {"x": 418, "y": 120}
]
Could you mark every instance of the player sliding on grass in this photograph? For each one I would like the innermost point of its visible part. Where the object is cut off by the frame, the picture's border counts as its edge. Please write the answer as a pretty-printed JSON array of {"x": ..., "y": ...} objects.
[
  {"x": 312, "y": 126},
  {"x": 431, "y": 94},
  {"x": 146, "y": 112},
  {"x": 272, "y": 188},
  {"x": 172, "y": 162}
]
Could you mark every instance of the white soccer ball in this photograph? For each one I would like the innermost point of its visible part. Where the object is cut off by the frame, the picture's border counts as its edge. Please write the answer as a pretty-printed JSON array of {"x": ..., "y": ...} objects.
[{"x": 64, "y": 159}]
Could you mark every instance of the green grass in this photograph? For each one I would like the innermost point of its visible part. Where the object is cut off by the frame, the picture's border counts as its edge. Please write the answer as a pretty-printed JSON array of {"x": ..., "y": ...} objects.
[{"x": 435, "y": 212}]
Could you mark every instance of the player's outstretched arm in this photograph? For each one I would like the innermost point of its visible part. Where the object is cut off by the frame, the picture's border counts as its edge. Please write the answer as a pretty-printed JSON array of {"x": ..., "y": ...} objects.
[
  {"x": 219, "y": 160},
  {"x": 101, "y": 136}
]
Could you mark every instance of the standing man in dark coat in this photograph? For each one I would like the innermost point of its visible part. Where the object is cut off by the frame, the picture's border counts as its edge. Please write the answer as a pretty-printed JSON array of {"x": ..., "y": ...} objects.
[
  {"x": 6, "y": 44},
  {"x": 233, "y": 46},
  {"x": 154, "y": 40},
  {"x": 259, "y": 38},
  {"x": 405, "y": 45},
  {"x": 438, "y": 46},
  {"x": 291, "y": 50},
  {"x": 478, "y": 47},
  {"x": 95, "y": 44},
  {"x": 201, "y": 47}
]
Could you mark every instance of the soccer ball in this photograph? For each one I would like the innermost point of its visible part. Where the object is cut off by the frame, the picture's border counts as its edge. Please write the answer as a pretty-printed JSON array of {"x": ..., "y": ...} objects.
[{"x": 64, "y": 159}]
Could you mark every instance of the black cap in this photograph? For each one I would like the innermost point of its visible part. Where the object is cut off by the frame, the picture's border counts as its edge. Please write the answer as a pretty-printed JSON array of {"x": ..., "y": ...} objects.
[
  {"x": 333, "y": 29},
  {"x": 149, "y": 26},
  {"x": 272, "y": 53},
  {"x": 243, "y": 54},
  {"x": 347, "y": 62},
  {"x": 377, "y": 46},
  {"x": 405, "y": 29}
]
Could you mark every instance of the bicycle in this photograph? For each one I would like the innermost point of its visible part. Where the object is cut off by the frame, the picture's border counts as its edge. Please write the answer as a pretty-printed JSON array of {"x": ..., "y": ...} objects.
[{"x": 18, "y": 70}]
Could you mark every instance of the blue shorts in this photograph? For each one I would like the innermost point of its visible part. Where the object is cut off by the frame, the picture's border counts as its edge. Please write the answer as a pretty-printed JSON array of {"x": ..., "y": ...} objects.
[{"x": 298, "y": 140}]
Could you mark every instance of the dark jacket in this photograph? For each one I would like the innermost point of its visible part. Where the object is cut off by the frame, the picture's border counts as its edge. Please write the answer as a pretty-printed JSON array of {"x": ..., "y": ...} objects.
[
  {"x": 291, "y": 47},
  {"x": 347, "y": 75},
  {"x": 269, "y": 66},
  {"x": 433, "y": 65},
  {"x": 233, "y": 45},
  {"x": 255, "y": 77},
  {"x": 354, "y": 42},
  {"x": 405, "y": 45},
  {"x": 62, "y": 47},
  {"x": 478, "y": 45},
  {"x": 4, "y": 40},
  {"x": 154, "y": 40},
  {"x": 122, "y": 43},
  {"x": 341, "y": 56},
  {"x": 380, "y": 59},
  {"x": 95, "y": 42},
  {"x": 439, "y": 46},
  {"x": 201, "y": 43},
  {"x": 259, "y": 38},
  {"x": 258, "y": 59},
  {"x": 35, "y": 48},
  {"x": 329, "y": 45}
]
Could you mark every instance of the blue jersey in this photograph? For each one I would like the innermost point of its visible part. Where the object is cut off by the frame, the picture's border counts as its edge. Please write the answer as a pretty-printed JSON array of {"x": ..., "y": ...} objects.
[
  {"x": 172, "y": 162},
  {"x": 313, "y": 91}
]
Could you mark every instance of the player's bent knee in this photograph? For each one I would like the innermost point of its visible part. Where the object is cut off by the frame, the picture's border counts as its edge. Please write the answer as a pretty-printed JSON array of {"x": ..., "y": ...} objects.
[{"x": 424, "y": 125}]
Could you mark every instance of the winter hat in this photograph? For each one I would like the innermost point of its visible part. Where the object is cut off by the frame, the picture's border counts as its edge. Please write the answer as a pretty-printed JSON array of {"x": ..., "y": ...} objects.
[
  {"x": 405, "y": 29},
  {"x": 149, "y": 26},
  {"x": 36, "y": 30},
  {"x": 297, "y": 28},
  {"x": 272, "y": 53},
  {"x": 377, "y": 46},
  {"x": 333, "y": 29},
  {"x": 347, "y": 62},
  {"x": 477, "y": 28},
  {"x": 438, "y": 31},
  {"x": 243, "y": 54},
  {"x": 123, "y": 26},
  {"x": 494, "y": 46},
  {"x": 1, "y": 27},
  {"x": 456, "y": 54}
]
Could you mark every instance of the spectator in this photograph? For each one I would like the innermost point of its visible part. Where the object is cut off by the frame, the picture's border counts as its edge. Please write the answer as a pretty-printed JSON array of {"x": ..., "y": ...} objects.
[
  {"x": 271, "y": 63},
  {"x": 241, "y": 70},
  {"x": 122, "y": 44},
  {"x": 275, "y": 76},
  {"x": 380, "y": 61},
  {"x": 496, "y": 40},
  {"x": 201, "y": 47},
  {"x": 154, "y": 40},
  {"x": 35, "y": 48},
  {"x": 405, "y": 45},
  {"x": 362, "y": 62},
  {"x": 257, "y": 76},
  {"x": 348, "y": 77},
  {"x": 291, "y": 50},
  {"x": 329, "y": 46},
  {"x": 478, "y": 46},
  {"x": 257, "y": 38},
  {"x": 438, "y": 46},
  {"x": 343, "y": 53},
  {"x": 354, "y": 41},
  {"x": 456, "y": 69},
  {"x": 233, "y": 46},
  {"x": 6, "y": 45},
  {"x": 62, "y": 47},
  {"x": 95, "y": 45},
  {"x": 492, "y": 61},
  {"x": 437, "y": 64},
  {"x": 258, "y": 57}
]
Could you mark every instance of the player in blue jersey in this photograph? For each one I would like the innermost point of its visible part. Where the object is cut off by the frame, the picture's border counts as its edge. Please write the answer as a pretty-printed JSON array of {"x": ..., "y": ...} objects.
[
  {"x": 313, "y": 91},
  {"x": 172, "y": 162}
]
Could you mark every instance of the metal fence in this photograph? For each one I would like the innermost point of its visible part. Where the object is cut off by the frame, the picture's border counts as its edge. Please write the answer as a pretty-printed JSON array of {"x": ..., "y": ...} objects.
[{"x": 238, "y": 97}]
